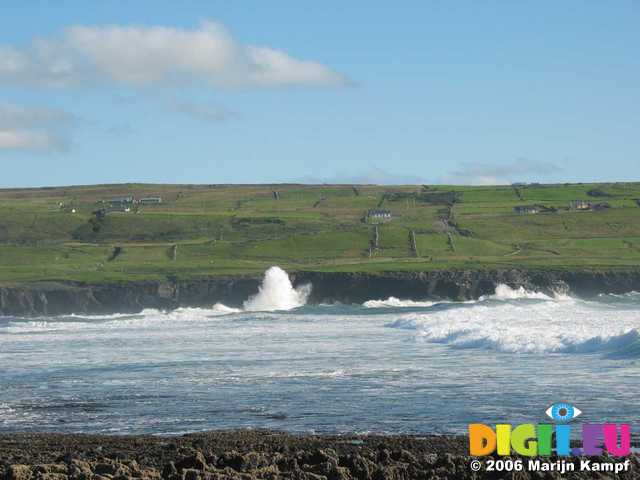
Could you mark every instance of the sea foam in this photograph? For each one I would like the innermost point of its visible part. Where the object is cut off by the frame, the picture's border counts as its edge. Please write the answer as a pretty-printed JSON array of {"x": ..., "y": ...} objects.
[
  {"x": 277, "y": 293},
  {"x": 394, "y": 302},
  {"x": 507, "y": 322}
]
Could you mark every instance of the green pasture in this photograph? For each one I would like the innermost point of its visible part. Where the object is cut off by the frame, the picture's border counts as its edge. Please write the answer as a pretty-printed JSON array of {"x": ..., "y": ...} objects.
[{"x": 54, "y": 233}]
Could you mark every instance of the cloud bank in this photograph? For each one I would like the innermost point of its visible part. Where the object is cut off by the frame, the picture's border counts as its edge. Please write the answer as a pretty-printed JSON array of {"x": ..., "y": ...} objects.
[
  {"x": 497, "y": 174},
  {"x": 372, "y": 176},
  {"x": 139, "y": 56},
  {"x": 32, "y": 129}
]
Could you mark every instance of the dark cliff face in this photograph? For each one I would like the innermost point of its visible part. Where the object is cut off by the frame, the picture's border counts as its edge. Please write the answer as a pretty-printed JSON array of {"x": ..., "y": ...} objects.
[{"x": 65, "y": 298}]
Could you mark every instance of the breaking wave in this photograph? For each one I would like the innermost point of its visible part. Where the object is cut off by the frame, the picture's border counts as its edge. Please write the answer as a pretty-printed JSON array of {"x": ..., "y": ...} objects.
[
  {"x": 224, "y": 310},
  {"x": 502, "y": 293},
  {"x": 548, "y": 326},
  {"x": 505, "y": 292},
  {"x": 396, "y": 303},
  {"x": 277, "y": 293}
]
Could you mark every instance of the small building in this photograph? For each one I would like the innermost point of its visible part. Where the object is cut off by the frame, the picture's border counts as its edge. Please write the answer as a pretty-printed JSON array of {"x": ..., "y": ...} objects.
[
  {"x": 121, "y": 201},
  {"x": 526, "y": 209},
  {"x": 150, "y": 201},
  {"x": 378, "y": 215},
  {"x": 580, "y": 205}
]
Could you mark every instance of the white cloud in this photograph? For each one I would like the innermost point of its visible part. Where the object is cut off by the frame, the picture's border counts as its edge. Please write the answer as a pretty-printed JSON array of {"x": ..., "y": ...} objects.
[
  {"x": 34, "y": 141},
  {"x": 141, "y": 56},
  {"x": 32, "y": 129},
  {"x": 372, "y": 176},
  {"x": 500, "y": 174}
]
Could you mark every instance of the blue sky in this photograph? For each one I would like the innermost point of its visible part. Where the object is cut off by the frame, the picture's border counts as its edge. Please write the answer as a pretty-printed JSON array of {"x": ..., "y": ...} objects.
[{"x": 260, "y": 92}]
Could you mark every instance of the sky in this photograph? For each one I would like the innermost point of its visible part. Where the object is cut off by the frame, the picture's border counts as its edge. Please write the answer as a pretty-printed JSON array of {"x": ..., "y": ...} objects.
[{"x": 466, "y": 92}]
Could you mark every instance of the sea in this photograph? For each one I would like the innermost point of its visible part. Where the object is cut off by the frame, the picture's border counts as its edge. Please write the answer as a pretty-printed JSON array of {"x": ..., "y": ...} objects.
[{"x": 387, "y": 366}]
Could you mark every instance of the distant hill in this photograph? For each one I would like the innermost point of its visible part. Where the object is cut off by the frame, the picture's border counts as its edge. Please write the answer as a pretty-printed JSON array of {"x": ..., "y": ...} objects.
[{"x": 82, "y": 233}]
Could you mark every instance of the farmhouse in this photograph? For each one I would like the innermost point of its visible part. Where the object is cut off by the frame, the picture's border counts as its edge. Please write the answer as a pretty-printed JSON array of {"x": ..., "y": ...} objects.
[
  {"x": 121, "y": 201},
  {"x": 378, "y": 215},
  {"x": 580, "y": 205},
  {"x": 527, "y": 209},
  {"x": 150, "y": 201}
]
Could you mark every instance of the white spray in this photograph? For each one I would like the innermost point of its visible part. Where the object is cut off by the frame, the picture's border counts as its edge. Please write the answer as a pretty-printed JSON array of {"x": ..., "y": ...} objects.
[{"x": 277, "y": 293}]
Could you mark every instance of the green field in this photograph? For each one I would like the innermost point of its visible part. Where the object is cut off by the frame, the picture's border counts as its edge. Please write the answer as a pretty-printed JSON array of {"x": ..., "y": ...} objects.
[{"x": 54, "y": 234}]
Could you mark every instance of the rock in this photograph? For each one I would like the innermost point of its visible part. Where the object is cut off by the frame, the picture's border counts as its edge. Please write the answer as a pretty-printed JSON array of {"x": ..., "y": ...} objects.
[
  {"x": 430, "y": 459},
  {"x": 302, "y": 475},
  {"x": 330, "y": 469},
  {"x": 360, "y": 467},
  {"x": 105, "y": 468},
  {"x": 384, "y": 456},
  {"x": 43, "y": 469},
  {"x": 232, "y": 459},
  {"x": 149, "y": 474},
  {"x": 19, "y": 472},
  {"x": 170, "y": 471},
  {"x": 404, "y": 456},
  {"x": 383, "y": 473},
  {"x": 67, "y": 457},
  {"x": 254, "y": 461},
  {"x": 191, "y": 474},
  {"x": 255, "y": 456},
  {"x": 79, "y": 470},
  {"x": 194, "y": 462},
  {"x": 133, "y": 467}
]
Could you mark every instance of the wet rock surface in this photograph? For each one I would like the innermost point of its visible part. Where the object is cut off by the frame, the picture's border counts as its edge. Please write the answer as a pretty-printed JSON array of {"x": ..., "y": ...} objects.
[{"x": 250, "y": 455}]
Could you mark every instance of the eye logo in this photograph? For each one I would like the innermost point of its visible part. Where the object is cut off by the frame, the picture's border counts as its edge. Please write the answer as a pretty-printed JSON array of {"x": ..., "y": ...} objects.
[{"x": 563, "y": 412}]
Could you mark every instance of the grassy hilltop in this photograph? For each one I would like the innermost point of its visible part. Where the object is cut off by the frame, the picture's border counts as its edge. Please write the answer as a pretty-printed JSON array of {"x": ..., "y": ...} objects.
[{"x": 198, "y": 230}]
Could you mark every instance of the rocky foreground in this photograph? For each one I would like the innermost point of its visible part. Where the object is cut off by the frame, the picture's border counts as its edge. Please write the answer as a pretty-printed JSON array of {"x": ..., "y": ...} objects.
[{"x": 248, "y": 455}]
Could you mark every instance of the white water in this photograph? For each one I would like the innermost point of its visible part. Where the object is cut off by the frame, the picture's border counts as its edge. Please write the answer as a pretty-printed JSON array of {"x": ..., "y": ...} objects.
[
  {"x": 520, "y": 321},
  {"x": 505, "y": 292},
  {"x": 395, "y": 303},
  {"x": 277, "y": 293},
  {"x": 389, "y": 365}
]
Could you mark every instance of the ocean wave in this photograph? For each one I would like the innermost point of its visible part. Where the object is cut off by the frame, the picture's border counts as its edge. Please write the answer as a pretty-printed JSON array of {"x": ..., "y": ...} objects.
[
  {"x": 277, "y": 293},
  {"x": 310, "y": 374},
  {"x": 396, "y": 303},
  {"x": 505, "y": 292},
  {"x": 614, "y": 345},
  {"x": 502, "y": 293},
  {"x": 224, "y": 310},
  {"x": 633, "y": 295},
  {"x": 544, "y": 327}
]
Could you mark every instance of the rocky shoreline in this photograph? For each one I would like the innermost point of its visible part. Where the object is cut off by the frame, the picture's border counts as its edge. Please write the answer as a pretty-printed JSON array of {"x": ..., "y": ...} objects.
[
  {"x": 249, "y": 455},
  {"x": 59, "y": 298}
]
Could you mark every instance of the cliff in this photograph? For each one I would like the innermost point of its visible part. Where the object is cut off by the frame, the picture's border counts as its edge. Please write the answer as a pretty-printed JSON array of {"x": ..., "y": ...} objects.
[{"x": 57, "y": 298}]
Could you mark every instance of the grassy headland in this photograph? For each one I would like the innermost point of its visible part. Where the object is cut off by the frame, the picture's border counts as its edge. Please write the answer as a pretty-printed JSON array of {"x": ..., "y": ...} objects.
[{"x": 208, "y": 230}]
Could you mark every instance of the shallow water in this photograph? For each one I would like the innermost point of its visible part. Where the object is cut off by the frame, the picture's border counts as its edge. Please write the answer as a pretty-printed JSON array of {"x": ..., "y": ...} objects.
[{"x": 386, "y": 366}]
